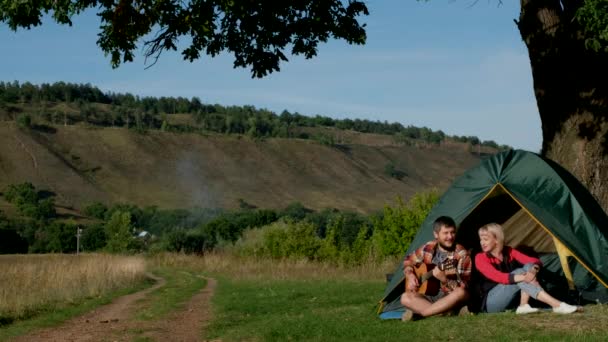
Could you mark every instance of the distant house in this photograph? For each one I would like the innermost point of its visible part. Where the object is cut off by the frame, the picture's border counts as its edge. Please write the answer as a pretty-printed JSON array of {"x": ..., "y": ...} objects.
[{"x": 143, "y": 235}]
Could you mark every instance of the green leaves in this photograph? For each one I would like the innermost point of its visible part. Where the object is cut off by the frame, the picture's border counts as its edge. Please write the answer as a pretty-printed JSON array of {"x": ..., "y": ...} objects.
[
  {"x": 257, "y": 34},
  {"x": 593, "y": 16},
  {"x": 395, "y": 230}
]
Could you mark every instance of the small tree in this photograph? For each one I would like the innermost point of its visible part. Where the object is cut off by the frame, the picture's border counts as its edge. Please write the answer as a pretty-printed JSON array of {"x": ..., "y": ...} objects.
[{"x": 118, "y": 232}]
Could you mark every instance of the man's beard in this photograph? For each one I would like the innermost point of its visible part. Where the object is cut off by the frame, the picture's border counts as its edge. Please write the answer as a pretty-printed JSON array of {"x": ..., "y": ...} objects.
[{"x": 446, "y": 248}]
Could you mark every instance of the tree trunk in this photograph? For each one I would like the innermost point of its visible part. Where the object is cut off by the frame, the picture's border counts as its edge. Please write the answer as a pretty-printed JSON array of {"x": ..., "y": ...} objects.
[{"x": 571, "y": 88}]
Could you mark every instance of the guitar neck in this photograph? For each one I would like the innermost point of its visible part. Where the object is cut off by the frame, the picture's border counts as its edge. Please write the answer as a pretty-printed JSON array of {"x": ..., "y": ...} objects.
[{"x": 426, "y": 276}]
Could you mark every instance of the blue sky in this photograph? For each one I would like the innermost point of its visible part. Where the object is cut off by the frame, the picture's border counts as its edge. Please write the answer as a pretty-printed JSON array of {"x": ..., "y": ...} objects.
[{"x": 455, "y": 66}]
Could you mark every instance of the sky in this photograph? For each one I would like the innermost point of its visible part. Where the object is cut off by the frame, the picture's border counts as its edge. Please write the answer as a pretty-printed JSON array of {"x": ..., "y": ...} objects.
[{"x": 456, "y": 66}]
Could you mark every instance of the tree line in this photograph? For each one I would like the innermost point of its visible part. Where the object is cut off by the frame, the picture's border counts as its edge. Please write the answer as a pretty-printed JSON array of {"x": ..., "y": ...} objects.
[
  {"x": 144, "y": 113},
  {"x": 294, "y": 231}
]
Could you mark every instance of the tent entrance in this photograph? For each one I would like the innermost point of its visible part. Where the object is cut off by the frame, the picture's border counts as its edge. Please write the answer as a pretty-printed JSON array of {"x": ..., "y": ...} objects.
[{"x": 522, "y": 231}]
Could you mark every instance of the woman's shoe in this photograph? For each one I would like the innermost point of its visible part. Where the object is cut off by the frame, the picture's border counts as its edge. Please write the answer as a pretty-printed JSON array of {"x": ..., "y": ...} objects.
[
  {"x": 565, "y": 308},
  {"x": 525, "y": 309}
]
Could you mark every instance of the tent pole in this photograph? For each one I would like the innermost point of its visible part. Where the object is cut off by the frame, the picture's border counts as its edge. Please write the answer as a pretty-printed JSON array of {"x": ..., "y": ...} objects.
[{"x": 564, "y": 253}]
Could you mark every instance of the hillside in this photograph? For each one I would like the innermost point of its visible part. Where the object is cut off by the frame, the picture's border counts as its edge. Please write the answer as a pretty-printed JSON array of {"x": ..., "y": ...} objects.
[{"x": 83, "y": 164}]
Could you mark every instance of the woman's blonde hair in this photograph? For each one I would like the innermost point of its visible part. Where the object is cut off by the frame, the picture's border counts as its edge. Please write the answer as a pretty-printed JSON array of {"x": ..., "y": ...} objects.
[{"x": 496, "y": 230}]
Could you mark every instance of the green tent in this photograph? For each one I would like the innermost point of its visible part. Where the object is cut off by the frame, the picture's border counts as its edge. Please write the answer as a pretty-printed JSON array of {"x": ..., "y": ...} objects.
[{"x": 543, "y": 210}]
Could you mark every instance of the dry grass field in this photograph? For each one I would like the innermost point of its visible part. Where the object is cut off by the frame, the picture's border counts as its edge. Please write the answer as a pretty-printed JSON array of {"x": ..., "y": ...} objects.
[
  {"x": 31, "y": 283},
  {"x": 250, "y": 268}
]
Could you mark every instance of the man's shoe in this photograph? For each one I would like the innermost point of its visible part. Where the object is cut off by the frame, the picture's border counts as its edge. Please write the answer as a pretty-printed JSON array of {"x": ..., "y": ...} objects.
[
  {"x": 464, "y": 311},
  {"x": 565, "y": 308},
  {"x": 525, "y": 309},
  {"x": 408, "y": 315}
]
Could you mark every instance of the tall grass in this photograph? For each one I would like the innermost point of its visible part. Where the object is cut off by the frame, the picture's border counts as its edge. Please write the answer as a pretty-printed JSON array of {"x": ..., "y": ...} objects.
[
  {"x": 241, "y": 267},
  {"x": 34, "y": 283}
]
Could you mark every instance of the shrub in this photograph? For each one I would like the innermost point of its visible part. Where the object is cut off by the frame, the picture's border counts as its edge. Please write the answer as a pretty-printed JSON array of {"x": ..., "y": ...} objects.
[
  {"x": 175, "y": 240},
  {"x": 302, "y": 241},
  {"x": 24, "y": 121},
  {"x": 28, "y": 202},
  {"x": 96, "y": 210},
  {"x": 251, "y": 243},
  {"x": 391, "y": 171},
  {"x": 93, "y": 238},
  {"x": 274, "y": 238},
  {"x": 296, "y": 211},
  {"x": 21, "y": 193},
  {"x": 280, "y": 240},
  {"x": 395, "y": 229}
]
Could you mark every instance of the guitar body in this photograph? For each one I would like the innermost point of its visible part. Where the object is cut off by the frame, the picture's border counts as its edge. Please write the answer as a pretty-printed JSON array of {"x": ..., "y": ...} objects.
[{"x": 429, "y": 285}]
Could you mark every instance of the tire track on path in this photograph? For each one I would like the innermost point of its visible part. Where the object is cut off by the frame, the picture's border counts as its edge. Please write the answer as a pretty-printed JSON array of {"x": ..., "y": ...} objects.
[{"x": 116, "y": 322}]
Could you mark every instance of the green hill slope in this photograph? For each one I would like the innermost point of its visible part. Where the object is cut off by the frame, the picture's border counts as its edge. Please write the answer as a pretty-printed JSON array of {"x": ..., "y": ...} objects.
[{"x": 81, "y": 165}]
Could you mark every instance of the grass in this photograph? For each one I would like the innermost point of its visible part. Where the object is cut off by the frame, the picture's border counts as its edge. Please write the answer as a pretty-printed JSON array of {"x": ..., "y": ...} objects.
[
  {"x": 270, "y": 300},
  {"x": 284, "y": 310},
  {"x": 69, "y": 278},
  {"x": 180, "y": 287},
  {"x": 252, "y": 268},
  {"x": 52, "y": 315},
  {"x": 30, "y": 284},
  {"x": 286, "y": 300}
]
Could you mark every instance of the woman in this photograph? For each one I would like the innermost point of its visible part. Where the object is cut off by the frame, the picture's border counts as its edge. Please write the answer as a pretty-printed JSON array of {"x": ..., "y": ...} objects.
[{"x": 507, "y": 272}]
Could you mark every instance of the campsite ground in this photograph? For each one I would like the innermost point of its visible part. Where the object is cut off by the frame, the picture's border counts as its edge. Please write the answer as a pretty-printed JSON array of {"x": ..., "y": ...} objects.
[{"x": 263, "y": 300}]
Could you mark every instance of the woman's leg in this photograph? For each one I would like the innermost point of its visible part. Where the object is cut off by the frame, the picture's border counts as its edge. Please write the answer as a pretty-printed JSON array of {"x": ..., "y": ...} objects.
[
  {"x": 544, "y": 297},
  {"x": 531, "y": 289},
  {"x": 500, "y": 297},
  {"x": 534, "y": 290},
  {"x": 524, "y": 298}
]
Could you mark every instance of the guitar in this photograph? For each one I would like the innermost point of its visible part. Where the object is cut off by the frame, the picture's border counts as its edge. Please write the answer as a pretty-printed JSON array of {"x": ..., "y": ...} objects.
[{"x": 429, "y": 285}]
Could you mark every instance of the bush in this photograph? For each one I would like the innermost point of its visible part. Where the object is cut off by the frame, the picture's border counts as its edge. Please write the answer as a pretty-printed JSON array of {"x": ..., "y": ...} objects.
[
  {"x": 395, "y": 229},
  {"x": 56, "y": 237},
  {"x": 28, "y": 202},
  {"x": 361, "y": 249},
  {"x": 252, "y": 243},
  {"x": 21, "y": 193},
  {"x": 175, "y": 240},
  {"x": 296, "y": 211},
  {"x": 391, "y": 171},
  {"x": 24, "y": 121},
  {"x": 274, "y": 238},
  {"x": 325, "y": 139},
  {"x": 96, "y": 210},
  {"x": 93, "y": 238},
  {"x": 302, "y": 241},
  {"x": 281, "y": 240}
]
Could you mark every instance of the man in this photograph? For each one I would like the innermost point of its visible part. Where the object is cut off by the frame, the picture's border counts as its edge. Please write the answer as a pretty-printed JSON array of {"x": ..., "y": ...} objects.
[{"x": 453, "y": 279}]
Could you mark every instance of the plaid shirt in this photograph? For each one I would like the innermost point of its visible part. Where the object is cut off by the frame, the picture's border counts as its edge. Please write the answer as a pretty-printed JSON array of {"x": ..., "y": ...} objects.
[{"x": 425, "y": 255}]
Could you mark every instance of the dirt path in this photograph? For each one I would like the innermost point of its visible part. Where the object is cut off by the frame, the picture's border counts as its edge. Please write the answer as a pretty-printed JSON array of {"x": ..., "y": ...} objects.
[
  {"x": 114, "y": 322},
  {"x": 186, "y": 325}
]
